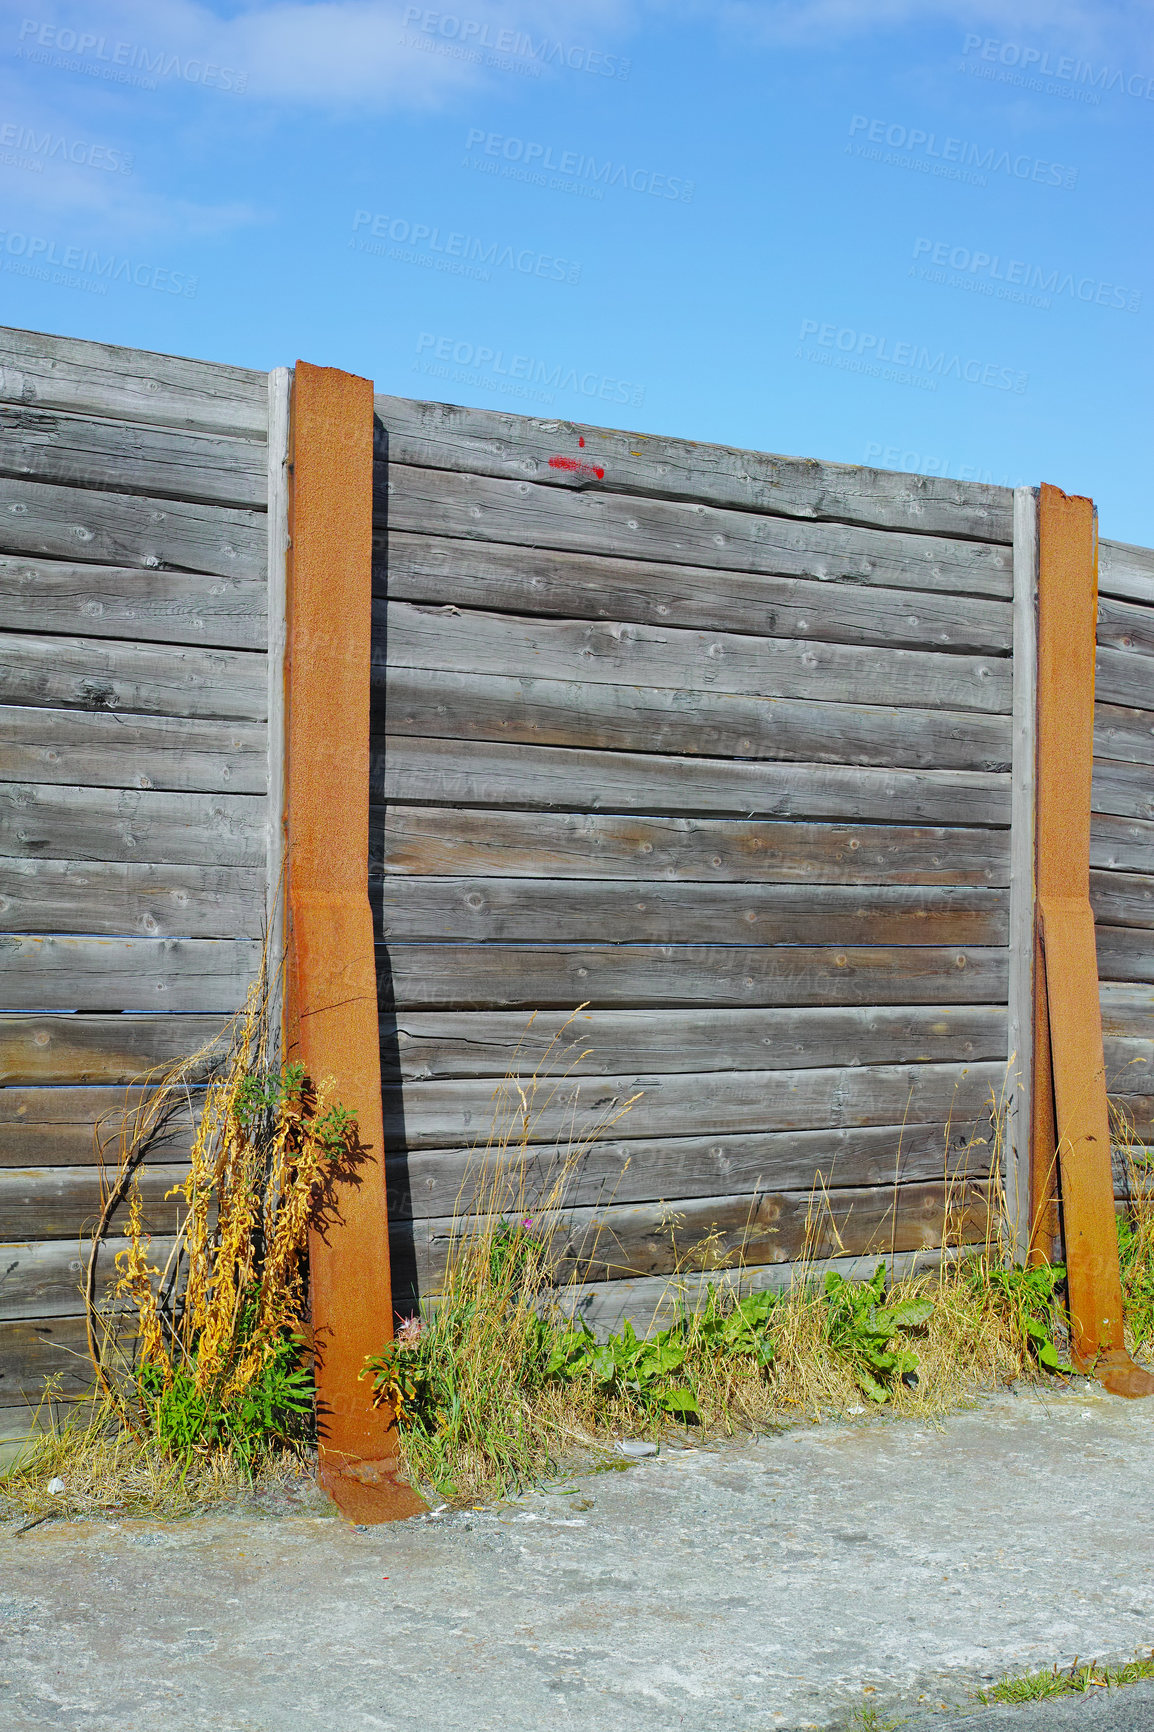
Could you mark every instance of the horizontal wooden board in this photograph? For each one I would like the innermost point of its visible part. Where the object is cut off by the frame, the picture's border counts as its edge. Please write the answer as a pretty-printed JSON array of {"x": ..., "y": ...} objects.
[
  {"x": 87, "y": 378},
  {"x": 44, "y": 1278},
  {"x": 1124, "y": 733},
  {"x": 446, "y": 1113},
  {"x": 1123, "y": 790},
  {"x": 109, "y": 674},
  {"x": 1124, "y": 953},
  {"x": 130, "y": 529},
  {"x": 421, "y": 1046},
  {"x": 1121, "y": 844},
  {"x": 54, "y": 821},
  {"x": 414, "y": 840},
  {"x": 106, "y": 749},
  {"x": 97, "y": 1049},
  {"x": 601, "y": 652},
  {"x": 700, "y": 723},
  {"x": 1122, "y": 898},
  {"x": 63, "y": 1126},
  {"x": 431, "y": 1183},
  {"x": 1129, "y": 1062},
  {"x": 620, "y": 976},
  {"x": 536, "y": 580},
  {"x": 774, "y": 1227},
  {"x": 107, "y": 974},
  {"x": 38, "y": 895},
  {"x": 1125, "y": 625},
  {"x": 34, "y": 1349},
  {"x": 490, "y": 442},
  {"x": 1124, "y": 677},
  {"x": 121, "y": 601},
  {"x": 166, "y": 463},
  {"x": 427, "y": 772},
  {"x": 1126, "y": 571},
  {"x": 65, "y": 1202},
  {"x": 542, "y": 910},
  {"x": 531, "y": 514},
  {"x": 1127, "y": 1010}
]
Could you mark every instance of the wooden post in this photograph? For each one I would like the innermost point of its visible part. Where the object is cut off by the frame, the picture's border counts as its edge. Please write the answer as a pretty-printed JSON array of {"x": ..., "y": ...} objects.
[
  {"x": 330, "y": 988},
  {"x": 1070, "y": 1108},
  {"x": 1020, "y": 1020}
]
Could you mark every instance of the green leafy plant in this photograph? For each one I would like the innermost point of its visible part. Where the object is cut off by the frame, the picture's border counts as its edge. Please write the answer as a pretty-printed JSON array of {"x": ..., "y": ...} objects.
[
  {"x": 276, "y": 1406},
  {"x": 740, "y": 1329},
  {"x": 862, "y": 1327},
  {"x": 625, "y": 1365},
  {"x": 1027, "y": 1298}
]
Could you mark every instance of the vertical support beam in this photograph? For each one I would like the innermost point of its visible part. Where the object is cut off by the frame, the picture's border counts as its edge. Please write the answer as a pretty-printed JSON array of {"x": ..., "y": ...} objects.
[
  {"x": 1020, "y": 1018},
  {"x": 331, "y": 987},
  {"x": 1067, "y": 630},
  {"x": 279, "y": 408}
]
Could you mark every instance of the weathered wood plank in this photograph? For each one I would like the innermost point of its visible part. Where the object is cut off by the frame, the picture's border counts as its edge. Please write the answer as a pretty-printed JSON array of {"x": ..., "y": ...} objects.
[
  {"x": 1124, "y": 677},
  {"x": 1023, "y": 911},
  {"x": 95, "y": 748},
  {"x": 54, "y": 821},
  {"x": 1127, "y": 1010},
  {"x": 122, "y": 457},
  {"x": 38, "y": 895},
  {"x": 1122, "y": 898},
  {"x": 1123, "y": 790},
  {"x": 36, "y": 1348},
  {"x": 1123, "y": 733},
  {"x": 107, "y": 674},
  {"x": 490, "y": 442},
  {"x": 542, "y": 910},
  {"x": 1130, "y": 1062},
  {"x": 130, "y": 529},
  {"x": 1120, "y": 844},
  {"x": 120, "y": 601},
  {"x": 44, "y": 1278},
  {"x": 63, "y": 1126},
  {"x": 431, "y": 1183},
  {"x": 774, "y": 1227},
  {"x": 610, "y": 653},
  {"x": 534, "y": 580},
  {"x": 428, "y": 772},
  {"x": 1124, "y": 625},
  {"x": 424, "y": 1046},
  {"x": 87, "y": 378},
  {"x": 64, "y": 1202},
  {"x": 1124, "y": 953},
  {"x": 483, "y": 706},
  {"x": 109, "y": 974},
  {"x": 415, "y": 840},
  {"x": 445, "y": 1113},
  {"x": 1126, "y": 571},
  {"x": 477, "y": 508},
  {"x": 621, "y": 976},
  {"x": 97, "y": 1049}
]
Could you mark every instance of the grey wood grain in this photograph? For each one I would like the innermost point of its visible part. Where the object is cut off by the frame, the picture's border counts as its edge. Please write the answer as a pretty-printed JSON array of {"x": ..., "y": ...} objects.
[
  {"x": 83, "y": 1127},
  {"x": 54, "y": 821},
  {"x": 1127, "y": 1010},
  {"x": 1122, "y": 898},
  {"x": 119, "y": 456},
  {"x": 97, "y": 1049},
  {"x": 1122, "y": 790},
  {"x": 424, "y": 1046},
  {"x": 44, "y": 1278},
  {"x": 1125, "y": 625},
  {"x": 535, "y": 580},
  {"x": 130, "y": 602},
  {"x": 491, "y": 442},
  {"x": 88, "y": 378},
  {"x": 414, "y": 840},
  {"x": 149, "y": 900},
  {"x": 1126, "y": 571},
  {"x": 529, "y": 513},
  {"x": 622, "y": 976},
  {"x": 1121, "y": 844},
  {"x": 428, "y": 1183},
  {"x": 64, "y": 1202},
  {"x": 1123, "y": 733},
  {"x": 1124, "y": 953},
  {"x": 130, "y": 529},
  {"x": 108, "y": 749},
  {"x": 1124, "y": 677},
  {"x": 426, "y": 772},
  {"x": 117, "y": 974},
  {"x": 34, "y": 1349},
  {"x": 554, "y": 712},
  {"x": 108, "y": 674},
  {"x": 542, "y": 911}
]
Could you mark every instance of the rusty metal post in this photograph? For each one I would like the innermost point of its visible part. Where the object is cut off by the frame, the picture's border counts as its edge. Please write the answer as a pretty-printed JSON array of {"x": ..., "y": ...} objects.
[
  {"x": 330, "y": 987},
  {"x": 1070, "y": 1107}
]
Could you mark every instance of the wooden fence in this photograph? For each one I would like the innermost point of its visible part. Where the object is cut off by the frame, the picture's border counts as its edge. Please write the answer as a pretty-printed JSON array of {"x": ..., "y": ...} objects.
[{"x": 732, "y": 748}]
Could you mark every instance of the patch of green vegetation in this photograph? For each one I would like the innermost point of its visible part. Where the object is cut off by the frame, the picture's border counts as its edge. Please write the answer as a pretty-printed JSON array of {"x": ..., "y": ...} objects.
[{"x": 1077, "y": 1681}]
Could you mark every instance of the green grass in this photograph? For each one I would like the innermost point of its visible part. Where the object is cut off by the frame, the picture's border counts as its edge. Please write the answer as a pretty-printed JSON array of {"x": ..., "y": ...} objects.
[{"x": 1078, "y": 1681}]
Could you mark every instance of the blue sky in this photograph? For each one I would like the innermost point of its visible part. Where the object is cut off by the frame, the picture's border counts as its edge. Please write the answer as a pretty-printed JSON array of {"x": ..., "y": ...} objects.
[{"x": 904, "y": 232}]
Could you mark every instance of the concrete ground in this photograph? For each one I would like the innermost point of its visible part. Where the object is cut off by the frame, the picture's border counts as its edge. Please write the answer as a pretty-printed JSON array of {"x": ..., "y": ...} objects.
[{"x": 787, "y": 1582}]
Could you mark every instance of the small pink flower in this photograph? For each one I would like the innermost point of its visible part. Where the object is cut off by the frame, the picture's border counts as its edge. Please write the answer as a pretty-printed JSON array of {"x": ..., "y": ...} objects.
[{"x": 409, "y": 1331}]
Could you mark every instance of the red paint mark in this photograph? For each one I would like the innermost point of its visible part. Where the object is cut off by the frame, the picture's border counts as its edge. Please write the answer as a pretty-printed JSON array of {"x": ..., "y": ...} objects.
[
  {"x": 575, "y": 466},
  {"x": 581, "y": 441}
]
